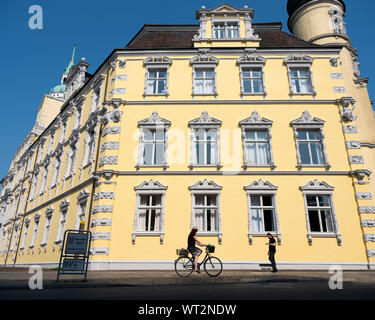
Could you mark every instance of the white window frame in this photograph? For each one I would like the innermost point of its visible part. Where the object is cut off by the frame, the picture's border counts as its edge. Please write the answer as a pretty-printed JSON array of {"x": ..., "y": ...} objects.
[
  {"x": 307, "y": 122},
  {"x": 157, "y": 63},
  {"x": 154, "y": 122},
  {"x": 96, "y": 97},
  {"x": 47, "y": 227},
  {"x": 35, "y": 230},
  {"x": 89, "y": 148},
  {"x": 71, "y": 159},
  {"x": 55, "y": 172},
  {"x": 256, "y": 123},
  {"x": 149, "y": 188},
  {"x": 225, "y": 23},
  {"x": 204, "y": 61},
  {"x": 82, "y": 208},
  {"x": 262, "y": 188},
  {"x": 62, "y": 222},
  {"x": 203, "y": 80},
  {"x": 300, "y": 62},
  {"x": 207, "y": 188},
  {"x": 320, "y": 188},
  {"x": 204, "y": 122},
  {"x": 250, "y": 61},
  {"x": 43, "y": 181},
  {"x": 25, "y": 233},
  {"x": 78, "y": 116},
  {"x": 63, "y": 129}
]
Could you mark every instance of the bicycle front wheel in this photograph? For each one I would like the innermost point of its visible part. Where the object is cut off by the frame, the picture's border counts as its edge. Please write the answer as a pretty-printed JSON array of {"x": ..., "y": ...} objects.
[
  {"x": 213, "y": 266},
  {"x": 184, "y": 266}
]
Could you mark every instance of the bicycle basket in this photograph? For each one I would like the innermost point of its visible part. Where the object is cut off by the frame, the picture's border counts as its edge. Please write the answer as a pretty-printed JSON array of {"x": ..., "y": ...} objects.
[
  {"x": 182, "y": 252},
  {"x": 210, "y": 248}
]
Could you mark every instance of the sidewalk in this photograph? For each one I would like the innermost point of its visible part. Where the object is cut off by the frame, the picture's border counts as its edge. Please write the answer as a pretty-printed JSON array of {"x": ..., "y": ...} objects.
[{"x": 18, "y": 278}]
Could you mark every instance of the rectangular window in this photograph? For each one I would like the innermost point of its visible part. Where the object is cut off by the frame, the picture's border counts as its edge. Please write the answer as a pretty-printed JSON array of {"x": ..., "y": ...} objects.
[
  {"x": 153, "y": 146},
  {"x": 24, "y": 237},
  {"x": 205, "y": 146},
  {"x": 35, "y": 231},
  {"x": 257, "y": 147},
  {"x": 156, "y": 81},
  {"x": 55, "y": 171},
  {"x": 228, "y": 30},
  {"x": 61, "y": 226},
  {"x": 149, "y": 212},
  {"x": 81, "y": 215},
  {"x": 70, "y": 161},
  {"x": 310, "y": 147},
  {"x": 204, "y": 81},
  {"x": 262, "y": 213},
  {"x": 89, "y": 147},
  {"x": 47, "y": 228},
  {"x": 319, "y": 213},
  {"x": 206, "y": 212},
  {"x": 301, "y": 80},
  {"x": 252, "y": 81}
]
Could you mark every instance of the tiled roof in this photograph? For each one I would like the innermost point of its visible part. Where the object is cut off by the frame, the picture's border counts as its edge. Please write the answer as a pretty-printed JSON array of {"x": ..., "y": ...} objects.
[{"x": 180, "y": 37}]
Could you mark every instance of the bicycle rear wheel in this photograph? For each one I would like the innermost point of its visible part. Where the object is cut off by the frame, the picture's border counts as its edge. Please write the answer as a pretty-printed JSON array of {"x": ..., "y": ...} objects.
[
  {"x": 213, "y": 266},
  {"x": 184, "y": 266}
]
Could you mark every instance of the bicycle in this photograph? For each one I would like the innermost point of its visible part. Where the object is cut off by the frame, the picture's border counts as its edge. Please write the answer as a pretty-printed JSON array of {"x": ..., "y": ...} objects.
[{"x": 184, "y": 265}]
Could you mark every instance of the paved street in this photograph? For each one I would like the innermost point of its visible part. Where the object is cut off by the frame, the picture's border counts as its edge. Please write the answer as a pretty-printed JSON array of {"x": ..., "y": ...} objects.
[{"x": 317, "y": 290}]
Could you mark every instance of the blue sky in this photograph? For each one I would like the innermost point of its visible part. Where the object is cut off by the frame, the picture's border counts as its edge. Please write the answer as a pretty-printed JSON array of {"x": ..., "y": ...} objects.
[{"x": 33, "y": 60}]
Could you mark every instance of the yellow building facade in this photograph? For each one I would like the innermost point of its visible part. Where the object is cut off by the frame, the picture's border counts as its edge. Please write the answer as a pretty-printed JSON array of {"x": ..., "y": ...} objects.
[{"x": 232, "y": 126}]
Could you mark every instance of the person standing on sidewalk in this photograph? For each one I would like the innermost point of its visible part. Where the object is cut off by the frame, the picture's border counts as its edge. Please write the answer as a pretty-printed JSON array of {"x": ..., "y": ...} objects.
[{"x": 271, "y": 251}]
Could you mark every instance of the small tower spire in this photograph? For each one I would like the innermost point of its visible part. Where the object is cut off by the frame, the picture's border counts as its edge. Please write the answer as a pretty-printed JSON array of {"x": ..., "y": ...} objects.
[{"x": 71, "y": 62}]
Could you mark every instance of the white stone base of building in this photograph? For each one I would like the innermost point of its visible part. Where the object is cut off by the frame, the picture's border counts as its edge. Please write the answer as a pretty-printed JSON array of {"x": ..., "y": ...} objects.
[{"x": 227, "y": 265}]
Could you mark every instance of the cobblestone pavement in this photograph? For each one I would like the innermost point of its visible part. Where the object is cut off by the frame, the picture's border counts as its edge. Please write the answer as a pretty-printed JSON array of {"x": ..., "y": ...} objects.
[{"x": 18, "y": 278}]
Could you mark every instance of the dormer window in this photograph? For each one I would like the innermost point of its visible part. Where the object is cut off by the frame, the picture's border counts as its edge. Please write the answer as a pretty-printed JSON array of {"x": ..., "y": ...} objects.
[{"x": 226, "y": 30}]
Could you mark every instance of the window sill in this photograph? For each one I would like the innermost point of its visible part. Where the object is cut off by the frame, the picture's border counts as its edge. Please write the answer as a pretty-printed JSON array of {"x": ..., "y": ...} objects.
[
  {"x": 271, "y": 166},
  {"x": 302, "y": 94},
  {"x": 192, "y": 166},
  {"x": 211, "y": 234},
  {"x": 324, "y": 235},
  {"x": 204, "y": 94},
  {"x": 148, "y": 234},
  {"x": 155, "y": 94},
  {"x": 139, "y": 166},
  {"x": 253, "y": 94},
  {"x": 264, "y": 234},
  {"x": 326, "y": 166}
]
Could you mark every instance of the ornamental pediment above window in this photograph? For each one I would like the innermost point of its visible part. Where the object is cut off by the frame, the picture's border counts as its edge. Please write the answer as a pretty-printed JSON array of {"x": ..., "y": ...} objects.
[
  {"x": 151, "y": 185},
  {"x": 154, "y": 120},
  {"x": 205, "y": 185},
  {"x": 255, "y": 119},
  {"x": 299, "y": 59},
  {"x": 249, "y": 57},
  {"x": 204, "y": 57},
  {"x": 157, "y": 61},
  {"x": 316, "y": 185},
  {"x": 205, "y": 119},
  {"x": 260, "y": 185},
  {"x": 307, "y": 119}
]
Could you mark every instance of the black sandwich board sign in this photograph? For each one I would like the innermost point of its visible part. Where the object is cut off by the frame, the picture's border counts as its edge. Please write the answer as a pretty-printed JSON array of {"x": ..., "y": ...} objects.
[{"x": 74, "y": 258}]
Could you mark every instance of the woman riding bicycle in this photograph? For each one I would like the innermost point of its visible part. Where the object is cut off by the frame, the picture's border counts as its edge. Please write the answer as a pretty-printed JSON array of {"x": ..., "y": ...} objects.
[{"x": 196, "y": 252}]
